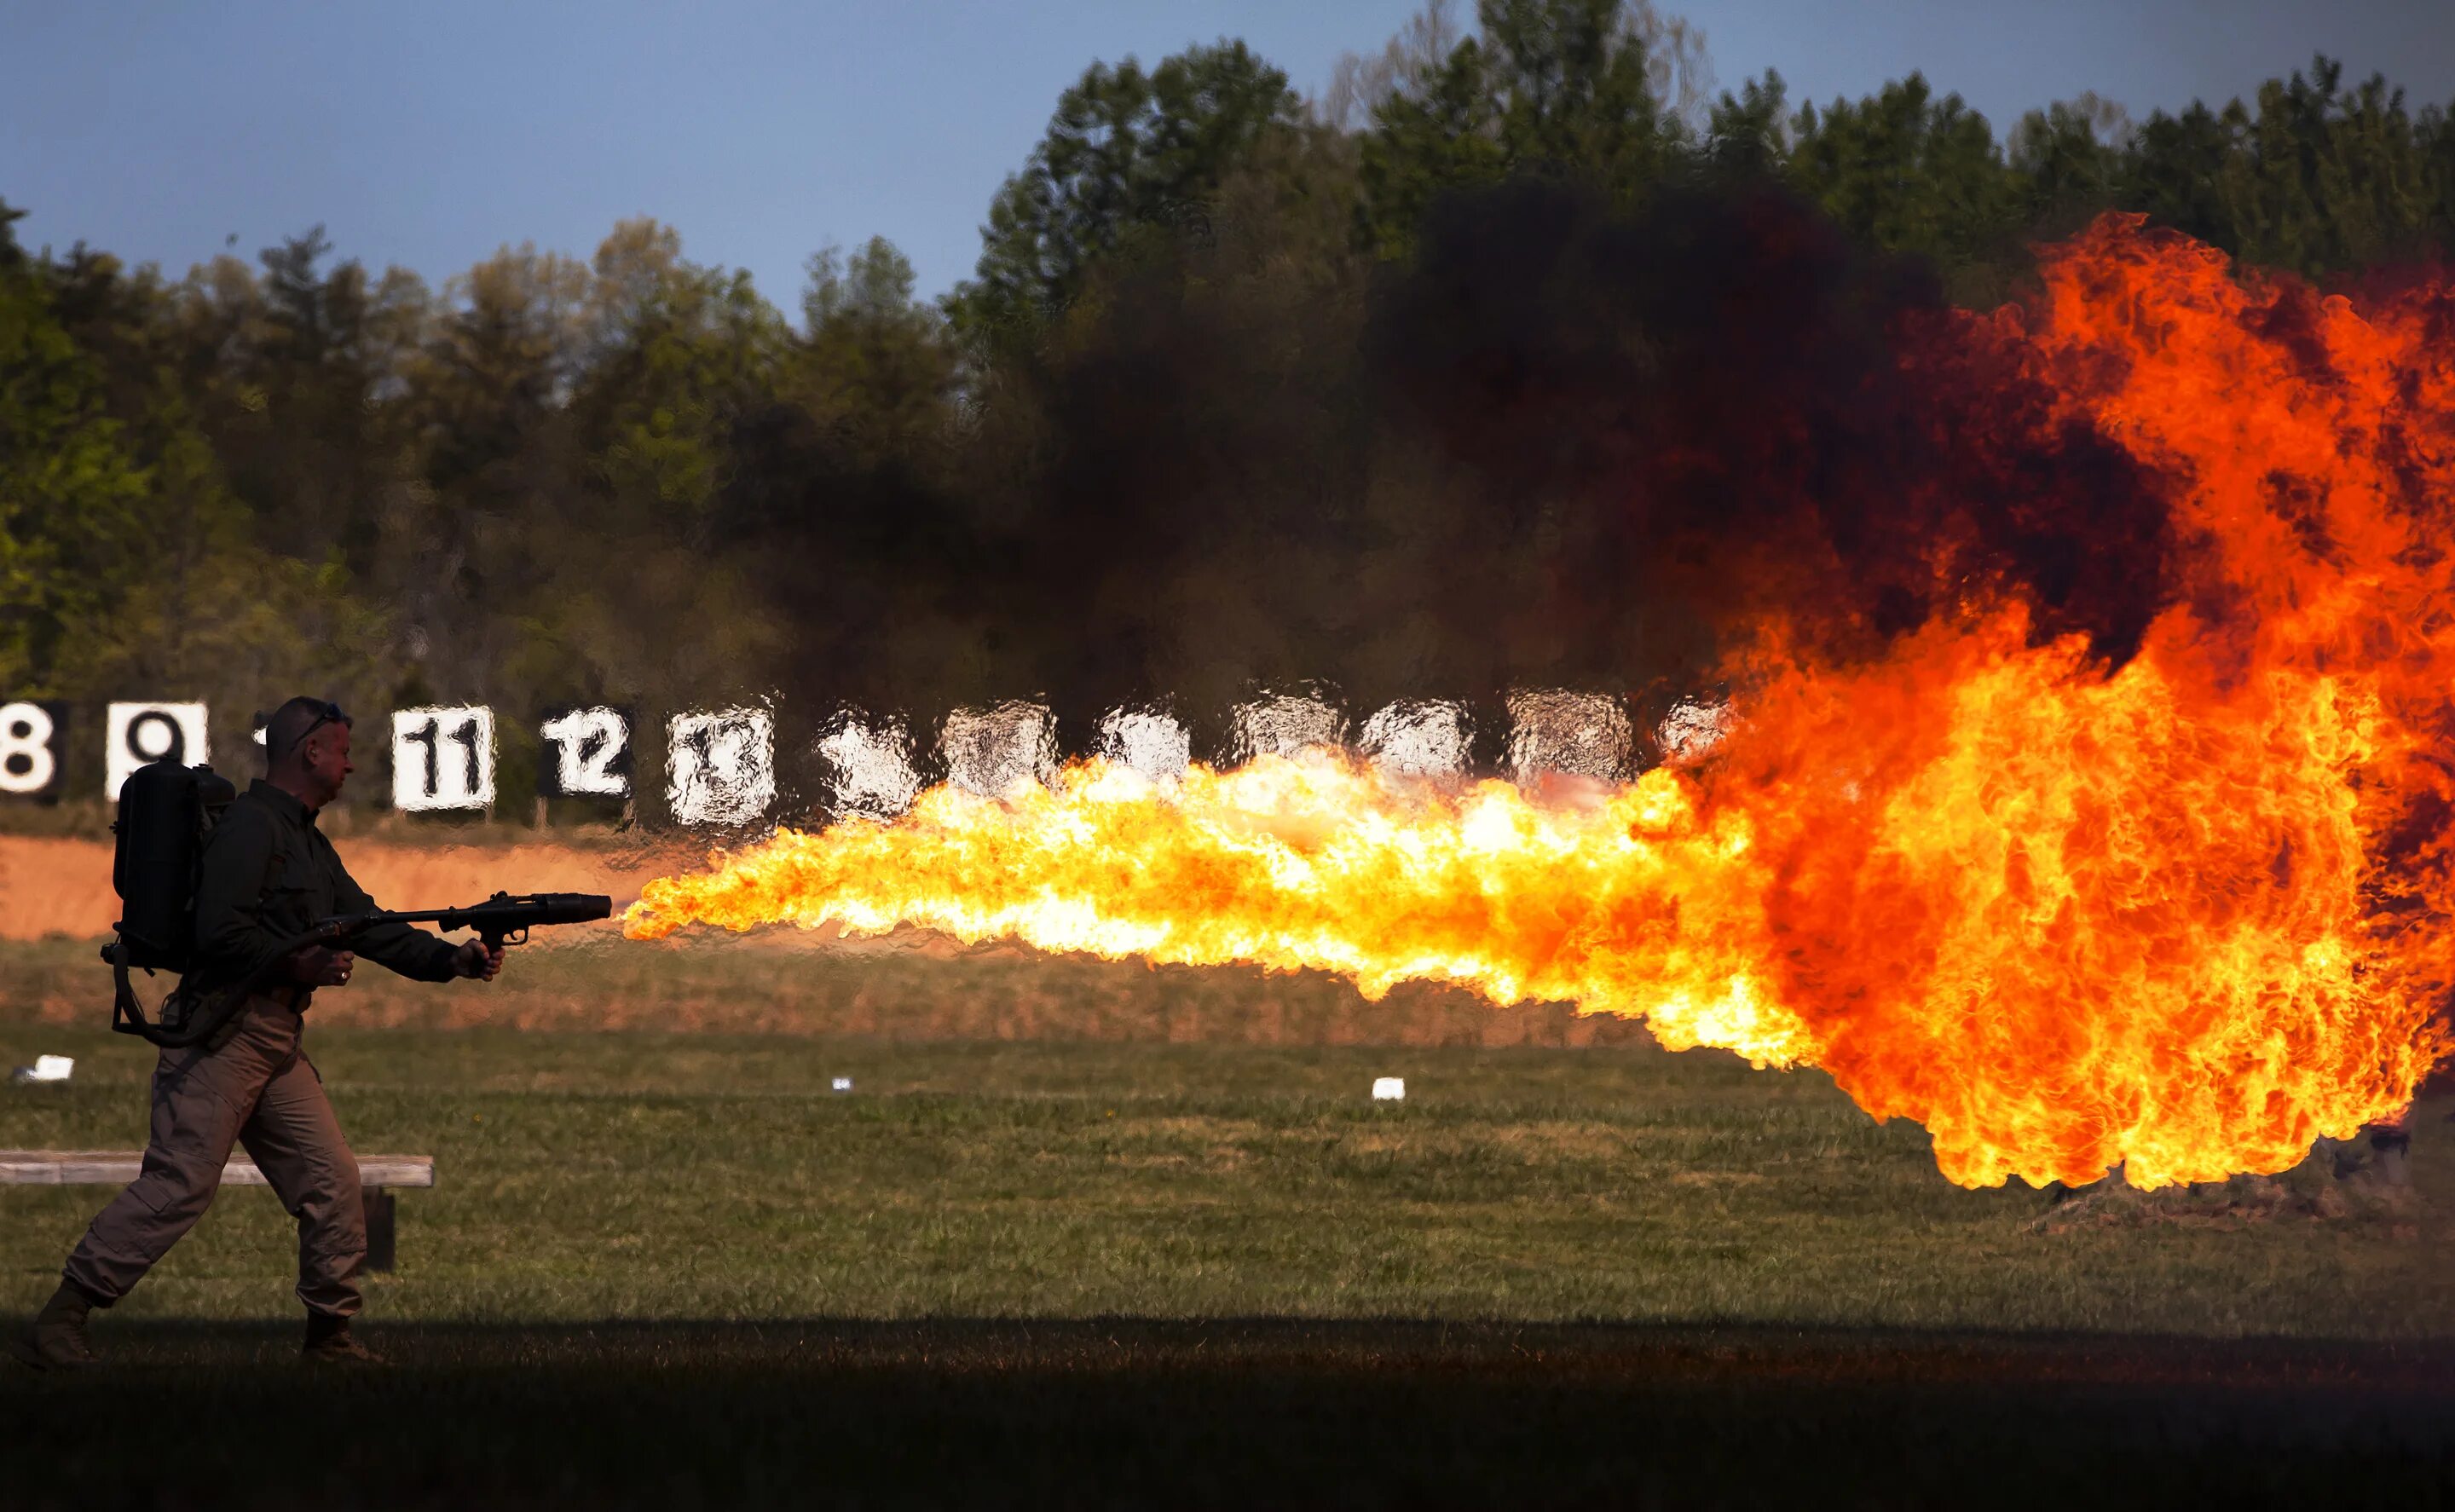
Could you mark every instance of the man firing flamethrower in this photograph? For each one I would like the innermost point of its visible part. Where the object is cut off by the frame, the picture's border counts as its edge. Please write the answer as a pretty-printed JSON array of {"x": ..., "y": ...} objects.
[{"x": 244, "y": 897}]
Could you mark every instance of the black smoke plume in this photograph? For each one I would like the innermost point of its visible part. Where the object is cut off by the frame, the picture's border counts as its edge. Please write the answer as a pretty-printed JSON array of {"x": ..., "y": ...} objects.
[{"x": 1571, "y": 445}]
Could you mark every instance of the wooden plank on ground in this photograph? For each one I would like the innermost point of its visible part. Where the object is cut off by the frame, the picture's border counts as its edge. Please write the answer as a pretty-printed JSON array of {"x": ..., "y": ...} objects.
[{"x": 119, "y": 1167}]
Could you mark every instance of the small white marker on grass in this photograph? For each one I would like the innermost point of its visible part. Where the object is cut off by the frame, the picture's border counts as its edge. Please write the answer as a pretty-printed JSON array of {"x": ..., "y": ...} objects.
[
  {"x": 843, "y": 1083},
  {"x": 1389, "y": 1089}
]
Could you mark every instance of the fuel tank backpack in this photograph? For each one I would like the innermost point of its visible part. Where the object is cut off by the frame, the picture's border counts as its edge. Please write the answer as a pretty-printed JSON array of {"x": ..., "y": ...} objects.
[{"x": 166, "y": 813}]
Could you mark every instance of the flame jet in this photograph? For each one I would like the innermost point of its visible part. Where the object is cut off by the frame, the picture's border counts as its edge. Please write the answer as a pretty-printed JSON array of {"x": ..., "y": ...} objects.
[{"x": 2184, "y": 913}]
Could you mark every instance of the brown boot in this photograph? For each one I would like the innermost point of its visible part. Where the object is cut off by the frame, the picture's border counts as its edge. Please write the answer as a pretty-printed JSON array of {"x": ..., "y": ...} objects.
[
  {"x": 55, "y": 1340},
  {"x": 329, "y": 1343}
]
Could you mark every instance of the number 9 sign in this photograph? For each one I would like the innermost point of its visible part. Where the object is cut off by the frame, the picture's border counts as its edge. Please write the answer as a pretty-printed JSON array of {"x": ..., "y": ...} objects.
[
  {"x": 134, "y": 733},
  {"x": 443, "y": 758}
]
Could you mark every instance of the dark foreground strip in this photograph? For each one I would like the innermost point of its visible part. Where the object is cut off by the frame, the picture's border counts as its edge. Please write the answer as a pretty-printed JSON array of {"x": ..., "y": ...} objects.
[{"x": 1244, "y": 1413}]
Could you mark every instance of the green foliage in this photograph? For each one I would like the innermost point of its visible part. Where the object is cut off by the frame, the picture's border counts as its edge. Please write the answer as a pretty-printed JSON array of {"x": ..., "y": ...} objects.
[
  {"x": 1128, "y": 154},
  {"x": 72, "y": 517},
  {"x": 682, "y": 353},
  {"x": 492, "y": 379},
  {"x": 1907, "y": 172},
  {"x": 2338, "y": 175},
  {"x": 1550, "y": 87},
  {"x": 1749, "y": 134},
  {"x": 239, "y": 622},
  {"x": 2068, "y": 157},
  {"x": 312, "y": 440},
  {"x": 876, "y": 369},
  {"x": 2314, "y": 177}
]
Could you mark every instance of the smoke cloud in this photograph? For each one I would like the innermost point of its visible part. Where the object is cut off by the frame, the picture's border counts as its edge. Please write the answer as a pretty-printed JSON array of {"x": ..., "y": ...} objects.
[{"x": 1573, "y": 445}]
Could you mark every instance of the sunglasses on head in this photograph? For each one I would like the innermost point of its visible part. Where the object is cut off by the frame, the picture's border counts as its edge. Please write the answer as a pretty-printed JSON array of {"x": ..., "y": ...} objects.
[{"x": 326, "y": 713}]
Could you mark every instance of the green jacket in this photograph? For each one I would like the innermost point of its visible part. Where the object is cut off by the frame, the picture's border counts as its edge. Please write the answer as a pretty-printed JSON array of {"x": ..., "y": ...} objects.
[{"x": 268, "y": 873}]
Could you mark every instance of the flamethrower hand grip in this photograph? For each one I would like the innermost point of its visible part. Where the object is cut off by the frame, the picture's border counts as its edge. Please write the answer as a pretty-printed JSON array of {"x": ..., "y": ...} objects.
[{"x": 499, "y": 921}]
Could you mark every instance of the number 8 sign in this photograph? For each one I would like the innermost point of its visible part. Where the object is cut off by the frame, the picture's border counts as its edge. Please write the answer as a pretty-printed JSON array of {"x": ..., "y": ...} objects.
[
  {"x": 443, "y": 758},
  {"x": 30, "y": 763}
]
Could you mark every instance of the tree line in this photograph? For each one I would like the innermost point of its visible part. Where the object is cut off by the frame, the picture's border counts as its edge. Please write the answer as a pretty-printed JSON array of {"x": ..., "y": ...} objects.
[{"x": 1249, "y": 388}]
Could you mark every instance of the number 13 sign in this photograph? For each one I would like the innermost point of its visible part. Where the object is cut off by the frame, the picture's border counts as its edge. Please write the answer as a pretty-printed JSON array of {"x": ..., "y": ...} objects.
[{"x": 443, "y": 758}]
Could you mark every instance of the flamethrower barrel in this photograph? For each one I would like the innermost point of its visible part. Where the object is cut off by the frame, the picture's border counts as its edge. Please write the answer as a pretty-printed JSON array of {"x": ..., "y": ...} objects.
[{"x": 501, "y": 912}]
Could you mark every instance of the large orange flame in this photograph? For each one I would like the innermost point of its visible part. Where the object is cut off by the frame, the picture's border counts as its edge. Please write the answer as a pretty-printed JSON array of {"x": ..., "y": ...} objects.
[{"x": 2185, "y": 915}]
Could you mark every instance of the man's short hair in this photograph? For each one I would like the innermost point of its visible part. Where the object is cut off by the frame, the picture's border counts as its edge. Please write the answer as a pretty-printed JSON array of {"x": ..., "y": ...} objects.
[{"x": 294, "y": 722}]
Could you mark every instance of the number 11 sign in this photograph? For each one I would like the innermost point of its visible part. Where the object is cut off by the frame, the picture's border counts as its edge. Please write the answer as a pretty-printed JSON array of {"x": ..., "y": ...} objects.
[{"x": 443, "y": 758}]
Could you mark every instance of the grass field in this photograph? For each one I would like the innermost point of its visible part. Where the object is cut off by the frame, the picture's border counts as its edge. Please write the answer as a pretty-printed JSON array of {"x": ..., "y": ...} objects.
[{"x": 1098, "y": 1265}]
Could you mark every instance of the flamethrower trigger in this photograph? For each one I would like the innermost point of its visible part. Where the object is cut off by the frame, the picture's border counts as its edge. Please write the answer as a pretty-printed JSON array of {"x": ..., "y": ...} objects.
[{"x": 502, "y": 919}]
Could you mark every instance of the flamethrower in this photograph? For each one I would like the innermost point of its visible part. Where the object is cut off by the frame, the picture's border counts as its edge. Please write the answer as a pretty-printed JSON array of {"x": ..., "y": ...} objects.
[{"x": 502, "y": 919}]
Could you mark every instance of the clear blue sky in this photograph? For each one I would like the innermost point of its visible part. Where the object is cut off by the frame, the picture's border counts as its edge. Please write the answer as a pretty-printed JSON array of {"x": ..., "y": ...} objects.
[{"x": 429, "y": 133}]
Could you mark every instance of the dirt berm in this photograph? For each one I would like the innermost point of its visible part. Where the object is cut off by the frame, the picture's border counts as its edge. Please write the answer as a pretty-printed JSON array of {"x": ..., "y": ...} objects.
[{"x": 50, "y": 887}]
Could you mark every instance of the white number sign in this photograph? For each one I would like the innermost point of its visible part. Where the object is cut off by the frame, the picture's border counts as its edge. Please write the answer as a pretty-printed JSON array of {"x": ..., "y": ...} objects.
[
  {"x": 1286, "y": 724},
  {"x": 996, "y": 751},
  {"x": 28, "y": 763},
  {"x": 1153, "y": 743},
  {"x": 589, "y": 756},
  {"x": 443, "y": 758},
  {"x": 1693, "y": 728},
  {"x": 1420, "y": 739},
  {"x": 721, "y": 766},
  {"x": 869, "y": 767},
  {"x": 1554, "y": 733},
  {"x": 134, "y": 733}
]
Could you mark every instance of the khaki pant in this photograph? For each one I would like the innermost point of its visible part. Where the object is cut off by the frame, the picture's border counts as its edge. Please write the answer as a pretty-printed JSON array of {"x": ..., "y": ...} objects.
[{"x": 255, "y": 1088}]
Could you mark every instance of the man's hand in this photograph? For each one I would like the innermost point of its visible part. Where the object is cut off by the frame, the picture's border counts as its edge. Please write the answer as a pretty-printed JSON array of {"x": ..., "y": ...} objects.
[
  {"x": 317, "y": 966},
  {"x": 476, "y": 958}
]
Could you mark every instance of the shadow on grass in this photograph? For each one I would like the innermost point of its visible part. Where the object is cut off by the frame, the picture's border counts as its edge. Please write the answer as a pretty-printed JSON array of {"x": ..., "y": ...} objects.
[{"x": 1261, "y": 1412}]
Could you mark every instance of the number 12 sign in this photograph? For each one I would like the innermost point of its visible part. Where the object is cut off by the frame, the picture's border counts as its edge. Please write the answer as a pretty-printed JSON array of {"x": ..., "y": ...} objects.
[
  {"x": 443, "y": 758},
  {"x": 589, "y": 753}
]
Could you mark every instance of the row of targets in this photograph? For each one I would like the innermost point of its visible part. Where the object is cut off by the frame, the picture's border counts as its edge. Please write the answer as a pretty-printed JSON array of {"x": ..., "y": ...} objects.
[{"x": 720, "y": 766}]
